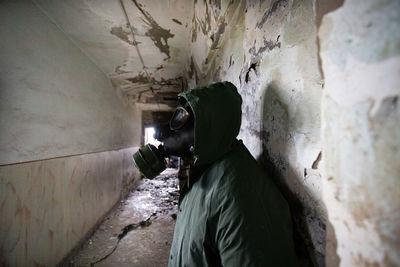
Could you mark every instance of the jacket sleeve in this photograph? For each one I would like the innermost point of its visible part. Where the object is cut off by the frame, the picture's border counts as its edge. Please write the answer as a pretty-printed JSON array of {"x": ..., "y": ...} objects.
[{"x": 253, "y": 227}]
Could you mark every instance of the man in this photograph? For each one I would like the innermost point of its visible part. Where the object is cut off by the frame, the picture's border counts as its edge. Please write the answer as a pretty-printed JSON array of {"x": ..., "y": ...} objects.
[{"x": 230, "y": 213}]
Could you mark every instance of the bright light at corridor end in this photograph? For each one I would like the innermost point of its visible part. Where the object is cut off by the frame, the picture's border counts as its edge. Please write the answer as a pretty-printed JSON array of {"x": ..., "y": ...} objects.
[{"x": 149, "y": 136}]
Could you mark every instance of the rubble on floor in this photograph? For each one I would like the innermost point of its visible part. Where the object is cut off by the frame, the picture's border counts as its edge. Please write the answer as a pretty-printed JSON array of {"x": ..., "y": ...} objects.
[{"x": 140, "y": 229}]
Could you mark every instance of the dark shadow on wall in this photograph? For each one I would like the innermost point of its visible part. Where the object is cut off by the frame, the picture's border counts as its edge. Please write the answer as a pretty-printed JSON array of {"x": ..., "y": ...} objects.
[{"x": 276, "y": 137}]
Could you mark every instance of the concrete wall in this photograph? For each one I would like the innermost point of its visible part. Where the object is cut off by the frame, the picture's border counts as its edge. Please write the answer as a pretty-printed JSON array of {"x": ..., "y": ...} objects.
[
  {"x": 66, "y": 140},
  {"x": 100, "y": 29},
  {"x": 48, "y": 206},
  {"x": 269, "y": 51},
  {"x": 320, "y": 113},
  {"x": 54, "y": 100},
  {"x": 360, "y": 51},
  {"x": 320, "y": 88}
]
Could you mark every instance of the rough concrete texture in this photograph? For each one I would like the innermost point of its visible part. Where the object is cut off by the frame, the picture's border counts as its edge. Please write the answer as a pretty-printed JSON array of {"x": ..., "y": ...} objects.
[
  {"x": 360, "y": 48},
  {"x": 269, "y": 51},
  {"x": 47, "y": 207},
  {"x": 58, "y": 114},
  {"x": 272, "y": 52},
  {"x": 149, "y": 212},
  {"x": 319, "y": 81},
  {"x": 54, "y": 101}
]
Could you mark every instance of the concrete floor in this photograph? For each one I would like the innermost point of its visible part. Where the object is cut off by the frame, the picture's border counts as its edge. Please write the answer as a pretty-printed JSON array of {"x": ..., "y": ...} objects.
[{"x": 146, "y": 244}]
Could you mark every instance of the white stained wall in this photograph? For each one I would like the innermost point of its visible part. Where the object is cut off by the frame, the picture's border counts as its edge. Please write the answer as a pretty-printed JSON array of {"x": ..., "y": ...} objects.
[
  {"x": 54, "y": 100},
  {"x": 66, "y": 140},
  {"x": 319, "y": 81},
  {"x": 320, "y": 87},
  {"x": 360, "y": 51},
  {"x": 269, "y": 50}
]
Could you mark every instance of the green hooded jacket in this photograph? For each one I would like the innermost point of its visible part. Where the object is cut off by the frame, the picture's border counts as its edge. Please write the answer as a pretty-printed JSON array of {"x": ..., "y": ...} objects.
[{"x": 231, "y": 213}]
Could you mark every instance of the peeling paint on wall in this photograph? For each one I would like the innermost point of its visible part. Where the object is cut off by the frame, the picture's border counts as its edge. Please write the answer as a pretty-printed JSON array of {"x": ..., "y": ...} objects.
[
  {"x": 101, "y": 30},
  {"x": 177, "y": 21},
  {"x": 156, "y": 33},
  {"x": 256, "y": 51},
  {"x": 273, "y": 7},
  {"x": 361, "y": 133},
  {"x": 320, "y": 111},
  {"x": 271, "y": 51},
  {"x": 123, "y": 35}
]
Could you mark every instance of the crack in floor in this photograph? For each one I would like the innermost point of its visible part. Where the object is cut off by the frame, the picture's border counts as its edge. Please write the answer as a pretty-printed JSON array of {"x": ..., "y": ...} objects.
[{"x": 153, "y": 202}]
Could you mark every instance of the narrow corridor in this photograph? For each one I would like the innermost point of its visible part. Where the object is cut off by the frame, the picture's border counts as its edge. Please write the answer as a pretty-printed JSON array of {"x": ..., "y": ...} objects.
[
  {"x": 148, "y": 218},
  {"x": 82, "y": 80}
]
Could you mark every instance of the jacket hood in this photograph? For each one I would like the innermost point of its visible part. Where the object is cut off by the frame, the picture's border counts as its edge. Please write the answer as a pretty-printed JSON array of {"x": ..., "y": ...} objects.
[{"x": 217, "y": 112}]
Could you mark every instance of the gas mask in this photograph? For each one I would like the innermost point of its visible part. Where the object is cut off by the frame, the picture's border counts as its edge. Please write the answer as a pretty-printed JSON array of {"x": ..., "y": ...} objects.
[{"x": 177, "y": 139}]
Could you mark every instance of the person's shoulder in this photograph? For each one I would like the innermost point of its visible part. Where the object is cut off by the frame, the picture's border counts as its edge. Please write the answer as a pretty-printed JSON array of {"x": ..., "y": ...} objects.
[
  {"x": 237, "y": 169},
  {"x": 240, "y": 161}
]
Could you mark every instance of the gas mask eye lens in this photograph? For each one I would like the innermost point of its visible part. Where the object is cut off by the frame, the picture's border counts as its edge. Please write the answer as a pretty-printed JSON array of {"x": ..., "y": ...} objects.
[{"x": 179, "y": 118}]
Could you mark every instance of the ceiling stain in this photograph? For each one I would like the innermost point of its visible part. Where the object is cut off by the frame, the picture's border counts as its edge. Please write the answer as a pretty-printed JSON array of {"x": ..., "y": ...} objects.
[
  {"x": 198, "y": 24},
  {"x": 123, "y": 35},
  {"x": 143, "y": 78},
  {"x": 156, "y": 33},
  {"x": 205, "y": 25},
  {"x": 194, "y": 28},
  {"x": 215, "y": 6},
  {"x": 177, "y": 21},
  {"x": 154, "y": 91},
  {"x": 118, "y": 69}
]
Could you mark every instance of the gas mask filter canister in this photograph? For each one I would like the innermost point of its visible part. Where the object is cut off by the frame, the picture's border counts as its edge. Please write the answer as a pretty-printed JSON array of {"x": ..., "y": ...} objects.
[{"x": 177, "y": 139}]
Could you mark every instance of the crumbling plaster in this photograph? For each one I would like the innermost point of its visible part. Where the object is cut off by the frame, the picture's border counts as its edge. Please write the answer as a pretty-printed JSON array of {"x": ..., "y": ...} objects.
[
  {"x": 361, "y": 130},
  {"x": 101, "y": 30},
  {"x": 319, "y": 81},
  {"x": 320, "y": 112},
  {"x": 269, "y": 51}
]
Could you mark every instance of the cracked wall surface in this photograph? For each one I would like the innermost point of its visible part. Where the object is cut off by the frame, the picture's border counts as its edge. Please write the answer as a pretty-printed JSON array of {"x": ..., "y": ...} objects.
[
  {"x": 320, "y": 87},
  {"x": 361, "y": 130},
  {"x": 268, "y": 49},
  {"x": 319, "y": 81}
]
